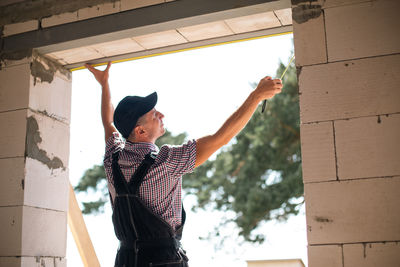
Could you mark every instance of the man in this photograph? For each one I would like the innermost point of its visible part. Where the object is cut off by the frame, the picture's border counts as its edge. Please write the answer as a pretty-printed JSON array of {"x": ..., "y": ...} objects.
[{"x": 145, "y": 182}]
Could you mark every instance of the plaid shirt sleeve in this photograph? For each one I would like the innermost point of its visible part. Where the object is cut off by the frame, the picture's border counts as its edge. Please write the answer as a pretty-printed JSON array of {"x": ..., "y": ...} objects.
[
  {"x": 179, "y": 159},
  {"x": 114, "y": 143}
]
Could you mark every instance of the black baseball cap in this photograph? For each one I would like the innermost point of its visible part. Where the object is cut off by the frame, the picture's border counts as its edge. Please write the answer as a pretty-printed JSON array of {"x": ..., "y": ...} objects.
[{"x": 130, "y": 109}]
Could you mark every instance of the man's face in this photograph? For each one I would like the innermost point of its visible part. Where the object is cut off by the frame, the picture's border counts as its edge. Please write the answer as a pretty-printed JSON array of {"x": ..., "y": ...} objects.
[{"x": 153, "y": 123}]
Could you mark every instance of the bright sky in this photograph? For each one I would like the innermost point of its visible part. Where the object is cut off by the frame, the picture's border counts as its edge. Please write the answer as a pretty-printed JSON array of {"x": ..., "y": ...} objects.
[{"x": 197, "y": 91}]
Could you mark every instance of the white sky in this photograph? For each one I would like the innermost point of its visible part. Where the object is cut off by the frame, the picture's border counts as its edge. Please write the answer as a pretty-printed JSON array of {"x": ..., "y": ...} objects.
[{"x": 197, "y": 91}]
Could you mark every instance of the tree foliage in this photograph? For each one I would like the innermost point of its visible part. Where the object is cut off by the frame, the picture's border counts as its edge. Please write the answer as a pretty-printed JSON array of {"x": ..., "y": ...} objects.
[{"x": 258, "y": 177}]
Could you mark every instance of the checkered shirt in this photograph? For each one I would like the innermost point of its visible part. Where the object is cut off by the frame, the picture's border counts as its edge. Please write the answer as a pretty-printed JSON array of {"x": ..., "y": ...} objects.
[{"x": 161, "y": 187}]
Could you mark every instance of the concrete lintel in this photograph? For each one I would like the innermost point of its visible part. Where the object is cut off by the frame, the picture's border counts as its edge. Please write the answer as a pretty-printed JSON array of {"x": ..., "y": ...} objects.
[
  {"x": 137, "y": 22},
  {"x": 187, "y": 46}
]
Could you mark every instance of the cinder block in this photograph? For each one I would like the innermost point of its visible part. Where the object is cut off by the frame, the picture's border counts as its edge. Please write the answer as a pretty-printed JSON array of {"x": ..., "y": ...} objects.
[
  {"x": 10, "y": 232},
  {"x": 159, "y": 39},
  {"x": 47, "y": 141},
  {"x": 60, "y": 19},
  {"x": 362, "y": 30},
  {"x": 50, "y": 92},
  {"x": 326, "y": 256},
  {"x": 350, "y": 89},
  {"x": 205, "y": 31},
  {"x": 44, "y": 187},
  {"x": 118, "y": 47},
  {"x": 132, "y": 4},
  {"x": 309, "y": 36},
  {"x": 284, "y": 15},
  {"x": 81, "y": 54},
  {"x": 372, "y": 255},
  {"x": 318, "y": 152},
  {"x": 13, "y": 134},
  {"x": 354, "y": 211},
  {"x": 368, "y": 147},
  {"x": 335, "y": 3},
  {"x": 44, "y": 232},
  {"x": 14, "y": 87},
  {"x": 16, "y": 28},
  {"x": 10, "y": 261},
  {"x": 33, "y": 261},
  {"x": 254, "y": 22},
  {"x": 12, "y": 181},
  {"x": 99, "y": 10}
]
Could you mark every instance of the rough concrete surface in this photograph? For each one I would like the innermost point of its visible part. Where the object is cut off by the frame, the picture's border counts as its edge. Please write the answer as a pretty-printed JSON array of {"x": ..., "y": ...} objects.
[
  {"x": 304, "y": 13},
  {"x": 33, "y": 140}
]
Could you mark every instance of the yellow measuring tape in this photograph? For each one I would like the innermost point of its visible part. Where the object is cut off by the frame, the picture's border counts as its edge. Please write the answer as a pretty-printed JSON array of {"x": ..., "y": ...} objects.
[
  {"x": 283, "y": 74},
  {"x": 182, "y": 50}
]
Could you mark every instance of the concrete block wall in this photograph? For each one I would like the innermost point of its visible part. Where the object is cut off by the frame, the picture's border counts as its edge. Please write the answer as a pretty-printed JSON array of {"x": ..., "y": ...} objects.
[
  {"x": 43, "y": 13},
  {"x": 35, "y": 104},
  {"x": 348, "y": 57}
]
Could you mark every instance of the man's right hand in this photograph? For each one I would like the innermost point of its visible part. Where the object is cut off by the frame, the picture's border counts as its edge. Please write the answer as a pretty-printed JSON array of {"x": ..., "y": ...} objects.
[
  {"x": 268, "y": 87},
  {"x": 101, "y": 76}
]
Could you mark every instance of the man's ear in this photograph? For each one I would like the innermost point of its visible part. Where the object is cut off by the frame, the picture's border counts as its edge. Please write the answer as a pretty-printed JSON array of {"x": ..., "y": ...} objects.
[{"x": 139, "y": 130}]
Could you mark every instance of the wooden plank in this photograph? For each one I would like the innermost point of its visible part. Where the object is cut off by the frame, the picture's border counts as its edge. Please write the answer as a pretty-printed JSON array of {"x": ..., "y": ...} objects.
[{"x": 80, "y": 233}]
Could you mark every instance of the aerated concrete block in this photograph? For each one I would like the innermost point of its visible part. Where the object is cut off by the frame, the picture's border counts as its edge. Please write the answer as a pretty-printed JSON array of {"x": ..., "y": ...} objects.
[
  {"x": 14, "y": 87},
  {"x": 16, "y": 28},
  {"x": 362, "y": 30},
  {"x": 60, "y": 19},
  {"x": 10, "y": 231},
  {"x": 309, "y": 35},
  {"x": 284, "y": 16},
  {"x": 350, "y": 89},
  {"x": 354, "y": 211},
  {"x": 130, "y": 4},
  {"x": 326, "y": 256},
  {"x": 45, "y": 187},
  {"x": 368, "y": 147},
  {"x": 318, "y": 152},
  {"x": 33, "y": 261},
  {"x": 50, "y": 89},
  {"x": 44, "y": 232},
  {"x": 372, "y": 254},
  {"x": 99, "y": 10},
  {"x": 13, "y": 134},
  {"x": 12, "y": 181},
  {"x": 335, "y": 3}
]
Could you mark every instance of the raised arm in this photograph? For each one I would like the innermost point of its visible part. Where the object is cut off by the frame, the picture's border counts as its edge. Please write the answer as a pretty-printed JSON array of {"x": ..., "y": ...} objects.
[
  {"x": 107, "y": 108},
  {"x": 207, "y": 145}
]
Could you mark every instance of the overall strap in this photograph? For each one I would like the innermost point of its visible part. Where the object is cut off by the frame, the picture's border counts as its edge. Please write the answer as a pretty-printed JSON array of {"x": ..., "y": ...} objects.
[
  {"x": 120, "y": 184},
  {"x": 140, "y": 173}
]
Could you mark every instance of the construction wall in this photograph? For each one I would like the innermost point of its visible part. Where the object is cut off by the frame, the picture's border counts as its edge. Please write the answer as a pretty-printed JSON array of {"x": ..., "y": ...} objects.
[
  {"x": 35, "y": 97},
  {"x": 347, "y": 56}
]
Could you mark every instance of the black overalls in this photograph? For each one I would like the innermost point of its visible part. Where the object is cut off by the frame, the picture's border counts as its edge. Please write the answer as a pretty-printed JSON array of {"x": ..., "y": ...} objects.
[{"x": 145, "y": 239}]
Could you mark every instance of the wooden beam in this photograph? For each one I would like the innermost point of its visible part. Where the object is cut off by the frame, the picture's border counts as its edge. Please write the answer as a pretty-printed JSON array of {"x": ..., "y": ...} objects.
[{"x": 80, "y": 233}]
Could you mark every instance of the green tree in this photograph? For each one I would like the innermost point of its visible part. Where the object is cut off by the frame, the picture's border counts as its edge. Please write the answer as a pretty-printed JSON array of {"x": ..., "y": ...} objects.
[{"x": 258, "y": 177}]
